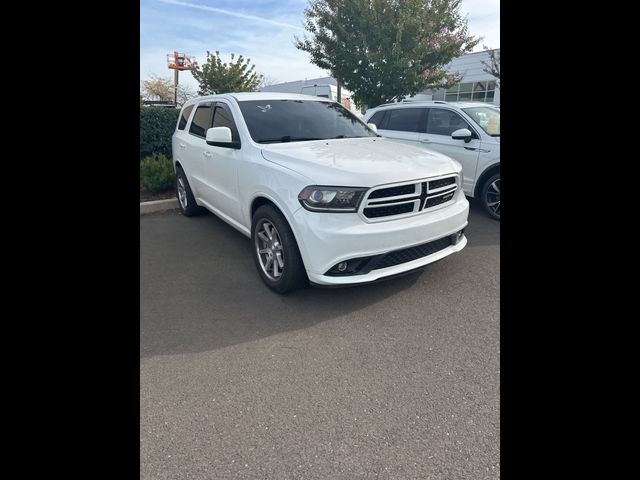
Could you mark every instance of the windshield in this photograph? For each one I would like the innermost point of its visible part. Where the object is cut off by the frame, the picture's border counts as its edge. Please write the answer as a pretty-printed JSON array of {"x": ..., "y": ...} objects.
[
  {"x": 276, "y": 121},
  {"x": 487, "y": 117}
]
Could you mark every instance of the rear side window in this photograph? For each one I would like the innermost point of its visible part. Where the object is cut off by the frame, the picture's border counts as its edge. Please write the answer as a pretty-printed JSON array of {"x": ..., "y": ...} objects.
[
  {"x": 377, "y": 119},
  {"x": 201, "y": 120},
  {"x": 405, "y": 119},
  {"x": 184, "y": 117},
  {"x": 223, "y": 118},
  {"x": 444, "y": 122}
]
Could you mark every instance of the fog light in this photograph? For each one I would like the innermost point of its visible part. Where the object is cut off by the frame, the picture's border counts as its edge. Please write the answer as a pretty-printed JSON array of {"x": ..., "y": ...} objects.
[
  {"x": 456, "y": 237},
  {"x": 342, "y": 266}
]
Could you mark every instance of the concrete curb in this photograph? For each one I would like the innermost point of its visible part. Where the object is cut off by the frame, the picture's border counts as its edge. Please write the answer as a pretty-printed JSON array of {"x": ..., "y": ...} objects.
[{"x": 158, "y": 206}]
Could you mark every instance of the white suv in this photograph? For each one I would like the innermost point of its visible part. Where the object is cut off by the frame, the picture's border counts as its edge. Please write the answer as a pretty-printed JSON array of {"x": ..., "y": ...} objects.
[
  {"x": 322, "y": 196},
  {"x": 467, "y": 132}
]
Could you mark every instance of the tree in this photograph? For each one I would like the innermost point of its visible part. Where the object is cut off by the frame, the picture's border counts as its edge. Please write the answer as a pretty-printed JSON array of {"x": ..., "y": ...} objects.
[
  {"x": 185, "y": 93},
  {"x": 218, "y": 77},
  {"x": 493, "y": 67},
  {"x": 385, "y": 50},
  {"x": 160, "y": 88},
  {"x": 267, "y": 81}
]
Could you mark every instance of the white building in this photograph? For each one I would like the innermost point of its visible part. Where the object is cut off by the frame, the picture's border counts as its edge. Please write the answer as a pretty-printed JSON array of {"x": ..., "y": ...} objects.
[
  {"x": 475, "y": 84},
  {"x": 296, "y": 86}
]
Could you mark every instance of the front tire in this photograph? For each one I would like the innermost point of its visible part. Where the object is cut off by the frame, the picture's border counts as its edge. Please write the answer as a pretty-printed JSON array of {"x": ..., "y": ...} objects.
[
  {"x": 186, "y": 201},
  {"x": 491, "y": 196},
  {"x": 275, "y": 251}
]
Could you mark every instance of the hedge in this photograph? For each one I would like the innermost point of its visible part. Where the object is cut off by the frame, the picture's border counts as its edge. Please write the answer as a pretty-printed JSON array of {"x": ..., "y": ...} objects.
[{"x": 157, "y": 124}]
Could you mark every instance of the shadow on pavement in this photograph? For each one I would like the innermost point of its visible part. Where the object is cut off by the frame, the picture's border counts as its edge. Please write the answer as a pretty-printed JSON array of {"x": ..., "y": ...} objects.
[{"x": 199, "y": 290}]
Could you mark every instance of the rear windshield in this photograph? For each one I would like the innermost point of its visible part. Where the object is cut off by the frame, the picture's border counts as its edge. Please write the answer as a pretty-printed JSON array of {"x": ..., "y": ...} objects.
[{"x": 277, "y": 121}]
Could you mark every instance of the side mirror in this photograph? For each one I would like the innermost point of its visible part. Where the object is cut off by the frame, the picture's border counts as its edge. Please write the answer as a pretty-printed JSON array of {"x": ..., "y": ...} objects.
[
  {"x": 462, "y": 134},
  {"x": 373, "y": 127},
  {"x": 221, "y": 137}
]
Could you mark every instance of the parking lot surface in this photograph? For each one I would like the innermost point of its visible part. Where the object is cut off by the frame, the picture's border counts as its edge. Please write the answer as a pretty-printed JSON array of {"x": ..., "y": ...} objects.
[{"x": 396, "y": 380}]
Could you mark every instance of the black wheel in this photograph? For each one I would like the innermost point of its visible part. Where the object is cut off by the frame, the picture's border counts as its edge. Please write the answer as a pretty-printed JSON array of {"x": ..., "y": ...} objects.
[
  {"x": 275, "y": 251},
  {"x": 491, "y": 196},
  {"x": 187, "y": 203}
]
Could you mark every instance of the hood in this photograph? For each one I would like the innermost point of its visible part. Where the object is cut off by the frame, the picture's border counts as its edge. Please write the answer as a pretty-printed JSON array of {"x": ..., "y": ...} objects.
[{"x": 359, "y": 162}]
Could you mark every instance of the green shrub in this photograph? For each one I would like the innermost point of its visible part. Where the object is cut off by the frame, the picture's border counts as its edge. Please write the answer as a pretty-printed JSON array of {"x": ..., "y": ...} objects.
[
  {"x": 156, "y": 173},
  {"x": 157, "y": 124}
]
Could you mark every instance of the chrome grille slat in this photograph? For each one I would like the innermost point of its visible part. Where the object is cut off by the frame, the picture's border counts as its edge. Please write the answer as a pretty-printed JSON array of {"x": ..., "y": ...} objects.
[{"x": 386, "y": 202}]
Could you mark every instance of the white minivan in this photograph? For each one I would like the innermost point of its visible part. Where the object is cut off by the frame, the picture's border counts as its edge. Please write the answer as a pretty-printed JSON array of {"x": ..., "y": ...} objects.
[{"x": 468, "y": 132}]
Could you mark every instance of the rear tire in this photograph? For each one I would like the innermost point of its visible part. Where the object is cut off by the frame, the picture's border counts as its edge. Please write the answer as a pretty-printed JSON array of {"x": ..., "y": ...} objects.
[
  {"x": 490, "y": 196},
  {"x": 275, "y": 251},
  {"x": 186, "y": 201}
]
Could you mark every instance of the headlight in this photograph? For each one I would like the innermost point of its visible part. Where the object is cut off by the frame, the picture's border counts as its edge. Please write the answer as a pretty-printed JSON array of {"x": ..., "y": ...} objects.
[{"x": 331, "y": 199}]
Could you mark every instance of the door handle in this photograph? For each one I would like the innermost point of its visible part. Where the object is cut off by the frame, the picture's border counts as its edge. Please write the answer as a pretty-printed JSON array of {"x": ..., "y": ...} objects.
[
  {"x": 470, "y": 148},
  {"x": 425, "y": 140},
  {"x": 206, "y": 154},
  {"x": 182, "y": 145}
]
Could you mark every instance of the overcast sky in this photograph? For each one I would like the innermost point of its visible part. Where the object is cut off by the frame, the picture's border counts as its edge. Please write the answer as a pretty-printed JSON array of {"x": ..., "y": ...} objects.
[{"x": 262, "y": 30}]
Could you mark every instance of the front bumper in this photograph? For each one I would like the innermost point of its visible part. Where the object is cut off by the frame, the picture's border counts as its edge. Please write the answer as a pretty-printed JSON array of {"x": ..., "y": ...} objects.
[{"x": 327, "y": 239}]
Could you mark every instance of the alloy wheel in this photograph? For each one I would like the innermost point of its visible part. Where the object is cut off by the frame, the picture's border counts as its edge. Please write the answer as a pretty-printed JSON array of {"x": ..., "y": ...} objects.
[
  {"x": 492, "y": 197},
  {"x": 182, "y": 192},
  {"x": 269, "y": 249}
]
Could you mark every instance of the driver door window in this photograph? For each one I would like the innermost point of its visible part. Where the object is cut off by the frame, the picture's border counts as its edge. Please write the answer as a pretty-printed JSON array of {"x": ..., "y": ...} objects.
[{"x": 223, "y": 118}]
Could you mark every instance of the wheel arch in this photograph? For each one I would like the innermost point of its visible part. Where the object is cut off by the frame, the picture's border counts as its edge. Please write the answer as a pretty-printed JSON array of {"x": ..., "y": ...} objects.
[
  {"x": 263, "y": 198},
  {"x": 490, "y": 171}
]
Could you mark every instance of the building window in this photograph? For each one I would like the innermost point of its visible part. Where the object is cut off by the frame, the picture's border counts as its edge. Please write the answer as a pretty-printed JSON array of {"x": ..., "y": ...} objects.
[{"x": 472, "y": 91}]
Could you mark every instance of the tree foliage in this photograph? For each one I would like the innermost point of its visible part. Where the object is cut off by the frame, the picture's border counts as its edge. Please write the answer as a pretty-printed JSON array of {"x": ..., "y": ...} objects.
[
  {"x": 214, "y": 76},
  {"x": 157, "y": 88},
  {"x": 385, "y": 50},
  {"x": 493, "y": 67},
  {"x": 161, "y": 88}
]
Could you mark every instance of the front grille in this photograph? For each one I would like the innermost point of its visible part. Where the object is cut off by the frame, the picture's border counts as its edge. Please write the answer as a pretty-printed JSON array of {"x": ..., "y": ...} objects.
[
  {"x": 413, "y": 198},
  {"x": 413, "y": 253},
  {"x": 433, "y": 201},
  {"x": 442, "y": 182},
  {"x": 393, "y": 191},
  {"x": 388, "y": 210}
]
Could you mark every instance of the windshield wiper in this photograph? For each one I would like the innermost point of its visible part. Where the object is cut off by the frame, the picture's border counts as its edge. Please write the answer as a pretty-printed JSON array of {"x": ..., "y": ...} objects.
[
  {"x": 352, "y": 136},
  {"x": 288, "y": 138}
]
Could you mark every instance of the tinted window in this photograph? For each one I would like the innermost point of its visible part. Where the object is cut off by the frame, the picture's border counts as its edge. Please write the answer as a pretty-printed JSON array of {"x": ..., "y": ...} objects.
[
  {"x": 201, "y": 120},
  {"x": 184, "y": 117},
  {"x": 274, "y": 121},
  {"x": 444, "y": 122},
  {"x": 404, "y": 119},
  {"x": 223, "y": 118},
  {"x": 377, "y": 119}
]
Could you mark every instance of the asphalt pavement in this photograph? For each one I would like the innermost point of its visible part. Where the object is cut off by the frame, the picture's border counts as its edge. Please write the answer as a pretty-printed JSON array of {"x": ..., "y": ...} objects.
[{"x": 396, "y": 380}]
